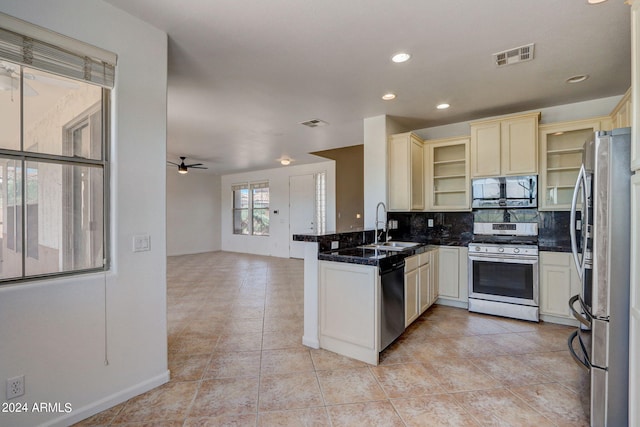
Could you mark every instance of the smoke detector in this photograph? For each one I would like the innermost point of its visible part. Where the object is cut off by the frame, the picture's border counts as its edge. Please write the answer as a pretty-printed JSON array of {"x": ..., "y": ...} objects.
[
  {"x": 314, "y": 123},
  {"x": 513, "y": 56}
]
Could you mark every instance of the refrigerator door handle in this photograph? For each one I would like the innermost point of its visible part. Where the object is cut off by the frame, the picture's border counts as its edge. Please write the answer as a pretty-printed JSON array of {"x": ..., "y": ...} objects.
[
  {"x": 584, "y": 319},
  {"x": 580, "y": 182},
  {"x": 582, "y": 363}
]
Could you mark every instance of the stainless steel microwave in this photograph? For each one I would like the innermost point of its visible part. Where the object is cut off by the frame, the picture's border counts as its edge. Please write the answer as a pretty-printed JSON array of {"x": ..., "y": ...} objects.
[{"x": 505, "y": 192}]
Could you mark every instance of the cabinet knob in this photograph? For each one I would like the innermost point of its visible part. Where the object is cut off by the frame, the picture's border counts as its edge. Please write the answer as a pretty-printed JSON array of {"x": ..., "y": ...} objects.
[
  {"x": 516, "y": 250},
  {"x": 500, "y": 249}
]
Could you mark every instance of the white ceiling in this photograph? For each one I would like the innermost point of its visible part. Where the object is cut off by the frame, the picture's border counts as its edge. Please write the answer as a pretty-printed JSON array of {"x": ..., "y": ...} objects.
[{"x": 244, "y": 73}]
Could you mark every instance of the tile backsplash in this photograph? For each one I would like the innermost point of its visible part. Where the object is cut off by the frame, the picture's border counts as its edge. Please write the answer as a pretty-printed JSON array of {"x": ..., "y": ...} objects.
[{"x": 456, "y": 228}]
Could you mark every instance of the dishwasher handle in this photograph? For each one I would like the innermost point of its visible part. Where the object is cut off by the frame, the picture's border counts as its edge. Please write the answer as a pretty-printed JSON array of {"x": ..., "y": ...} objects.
[{"x": 389, "y": 267}]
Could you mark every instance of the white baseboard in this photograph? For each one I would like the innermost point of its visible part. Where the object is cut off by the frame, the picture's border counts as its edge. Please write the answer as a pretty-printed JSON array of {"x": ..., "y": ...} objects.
[
  {"x": 452, "y": 303},
  {"x": 311, "y": 342},
  {"x": 558, "y": 320},
  {"x": 98, "y": 406}
]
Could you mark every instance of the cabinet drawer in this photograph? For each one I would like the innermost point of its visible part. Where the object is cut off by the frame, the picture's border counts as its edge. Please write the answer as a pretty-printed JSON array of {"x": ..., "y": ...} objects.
[
  {"x": 424, "y": 258},
  {"x": 411, "y": 263}
]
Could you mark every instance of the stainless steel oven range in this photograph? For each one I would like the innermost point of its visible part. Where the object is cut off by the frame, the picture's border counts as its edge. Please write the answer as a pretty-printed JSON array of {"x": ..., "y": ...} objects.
[{"x": 503, "y": 270}]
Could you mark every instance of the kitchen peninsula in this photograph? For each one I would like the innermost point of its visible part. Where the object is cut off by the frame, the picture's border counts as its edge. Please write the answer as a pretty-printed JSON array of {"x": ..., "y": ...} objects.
[{"x": 343, "y": 297}]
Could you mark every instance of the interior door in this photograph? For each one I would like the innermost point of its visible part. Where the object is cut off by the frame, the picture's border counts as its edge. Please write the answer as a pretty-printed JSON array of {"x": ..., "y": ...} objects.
[{"x": 302, "y": 210}]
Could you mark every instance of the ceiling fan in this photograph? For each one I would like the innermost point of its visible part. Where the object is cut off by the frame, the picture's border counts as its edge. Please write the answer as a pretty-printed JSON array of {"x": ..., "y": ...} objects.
[
  {"x": 10, "y": 80},
  {"x": 182, "y": 168}
]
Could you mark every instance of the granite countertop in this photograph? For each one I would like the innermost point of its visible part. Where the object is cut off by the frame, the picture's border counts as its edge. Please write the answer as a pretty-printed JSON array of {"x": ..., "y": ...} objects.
[{"x": 370, "y": 256}]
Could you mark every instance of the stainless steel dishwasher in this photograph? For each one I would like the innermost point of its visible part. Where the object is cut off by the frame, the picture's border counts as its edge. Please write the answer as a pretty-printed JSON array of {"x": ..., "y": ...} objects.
[{"x": 392, "y": 301}]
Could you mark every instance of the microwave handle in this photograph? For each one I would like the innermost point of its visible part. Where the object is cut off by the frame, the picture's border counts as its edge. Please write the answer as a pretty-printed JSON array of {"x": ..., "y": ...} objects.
[{"x": 580, "y": 182}]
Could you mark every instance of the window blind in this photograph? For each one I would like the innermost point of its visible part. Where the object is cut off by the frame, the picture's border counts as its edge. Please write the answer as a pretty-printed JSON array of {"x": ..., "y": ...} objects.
[
  {"x": 238, "y": 187},
  {"x": 67, "y": 57},
  {"x": 259, "y": 185}
]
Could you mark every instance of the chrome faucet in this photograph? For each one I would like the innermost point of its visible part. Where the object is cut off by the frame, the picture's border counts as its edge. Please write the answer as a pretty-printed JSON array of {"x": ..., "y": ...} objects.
[{"x": 384, "y": 223}]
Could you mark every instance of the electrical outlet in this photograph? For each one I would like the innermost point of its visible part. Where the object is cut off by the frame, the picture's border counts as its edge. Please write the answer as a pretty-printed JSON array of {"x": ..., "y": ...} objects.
[
  {"x": 15, "y": 387},
  {"x": 430, "y": 222},
  {"x": 335, "y": 244}
]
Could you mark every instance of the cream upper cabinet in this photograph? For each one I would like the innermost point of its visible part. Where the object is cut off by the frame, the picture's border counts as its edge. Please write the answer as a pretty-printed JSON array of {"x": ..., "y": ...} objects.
[
  {"x": 561, "y": 146},
  {"x": 447, "y": 174},
  {"x": 406, "y": 172},
  {"x": 506, "y": 146},
  {"x": 621, "y": 114}
]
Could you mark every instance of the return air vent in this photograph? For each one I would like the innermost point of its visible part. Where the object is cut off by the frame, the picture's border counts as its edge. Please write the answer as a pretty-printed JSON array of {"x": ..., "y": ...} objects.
[
  {"x": 513, "y": 56},
  {"x": 314, "y": 123}
]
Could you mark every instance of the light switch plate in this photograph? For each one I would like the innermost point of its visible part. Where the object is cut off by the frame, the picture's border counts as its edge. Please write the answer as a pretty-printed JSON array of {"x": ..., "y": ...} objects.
[
  {"x": 335, "y": 244},
  {"x": 141, "y": 243},
  {"x": 430, "y": 222}
]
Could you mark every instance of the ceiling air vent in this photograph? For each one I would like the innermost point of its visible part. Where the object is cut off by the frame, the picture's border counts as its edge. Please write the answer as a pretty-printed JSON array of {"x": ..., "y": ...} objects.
[
  {"x": 513, "y": 56},
  {"x": 314, "y": 123}
]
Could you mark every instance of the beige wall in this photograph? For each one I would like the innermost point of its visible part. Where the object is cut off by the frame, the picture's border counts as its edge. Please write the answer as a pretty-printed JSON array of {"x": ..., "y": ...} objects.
[{"x": 349, "y": 185}]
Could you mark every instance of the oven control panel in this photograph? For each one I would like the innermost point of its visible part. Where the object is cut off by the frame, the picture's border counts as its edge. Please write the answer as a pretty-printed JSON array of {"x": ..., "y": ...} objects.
[{"x": 523, "y": 250}]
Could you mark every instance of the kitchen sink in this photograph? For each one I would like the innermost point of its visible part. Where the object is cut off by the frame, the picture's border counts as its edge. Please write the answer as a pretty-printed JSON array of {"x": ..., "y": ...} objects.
[{"x": 391, "y": 246}]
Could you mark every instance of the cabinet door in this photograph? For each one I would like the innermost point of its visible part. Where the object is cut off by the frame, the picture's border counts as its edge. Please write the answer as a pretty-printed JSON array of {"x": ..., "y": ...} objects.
[
  {"x": 485, "y": 149},
  {"x": 406, "y": 172},
  {"x": 426, "y": 297},
  {"x": 434, "y": 275},
  {"x": 558, "y": 283},
  {"x": 519, "y": 146},
  {"x": 399, "y": 172},
  {"x": 417, "y": 174},
  {"x": 448, "y": 267},
  {"x": 411, "y": 297}
]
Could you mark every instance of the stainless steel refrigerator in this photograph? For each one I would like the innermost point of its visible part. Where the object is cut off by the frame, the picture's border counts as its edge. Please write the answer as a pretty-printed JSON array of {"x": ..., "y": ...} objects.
[{"x": 600, "y": 227}]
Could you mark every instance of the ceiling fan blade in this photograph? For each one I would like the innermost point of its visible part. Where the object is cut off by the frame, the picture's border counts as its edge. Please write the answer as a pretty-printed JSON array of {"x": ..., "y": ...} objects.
[
  {"x": 195, "y": 164},
  {"x": 171, "y": 163},
  {"x": 198, "y": 167}
]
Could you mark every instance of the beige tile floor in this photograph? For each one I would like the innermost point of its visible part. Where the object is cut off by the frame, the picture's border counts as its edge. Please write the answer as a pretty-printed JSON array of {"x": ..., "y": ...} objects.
[{"x": 236, "y": 359}]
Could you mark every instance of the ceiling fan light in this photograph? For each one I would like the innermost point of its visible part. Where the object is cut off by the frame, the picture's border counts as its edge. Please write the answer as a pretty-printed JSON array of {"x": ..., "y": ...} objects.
[{"x": 182, "y": 169}]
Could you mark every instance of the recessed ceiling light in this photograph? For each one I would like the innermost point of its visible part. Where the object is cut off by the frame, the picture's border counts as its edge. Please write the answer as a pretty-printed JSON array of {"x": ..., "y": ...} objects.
[
  {"x": 401, "y": 57},
  {"x": 285, "y": 162},
  {"x": 595, "y": 1},
  {"x": 577, "y": 79},
  {"x": 443, "y": 106},
  {"x": 389, "y": 96}
]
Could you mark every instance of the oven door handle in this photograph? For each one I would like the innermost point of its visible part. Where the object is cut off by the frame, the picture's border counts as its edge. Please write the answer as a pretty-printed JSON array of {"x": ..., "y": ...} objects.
[
  {"x": 585, "y": 320},
  {"x": 582, "y": 363}
]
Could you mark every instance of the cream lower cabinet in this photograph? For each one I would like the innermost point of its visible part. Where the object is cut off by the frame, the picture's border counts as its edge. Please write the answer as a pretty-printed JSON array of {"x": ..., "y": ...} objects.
[
  {"x": 559, "y": 281},
  {"x": 349, "y": 307},
  {"x": 411, "y": 290},
  {"x": 420, "y": 284},
  {"x": 453, "y": 278}
]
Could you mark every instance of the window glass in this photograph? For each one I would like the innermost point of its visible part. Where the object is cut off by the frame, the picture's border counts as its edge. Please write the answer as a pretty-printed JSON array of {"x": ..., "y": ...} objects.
[
  {"x": 65, "y": 229},
  {"x": 52, "y": 103},
  {"x": 11, "y": 218},
  {"x": 9, "y": 105},
  {"x": 260, "y": 211}
]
